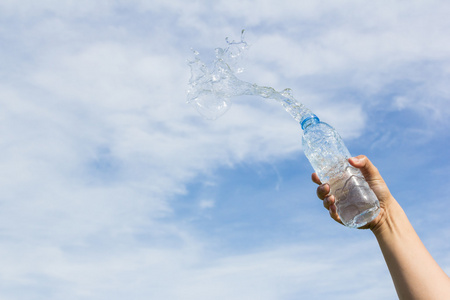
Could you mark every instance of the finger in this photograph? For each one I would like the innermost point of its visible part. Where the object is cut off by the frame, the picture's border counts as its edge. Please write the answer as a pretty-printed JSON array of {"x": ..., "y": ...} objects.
[
  {"x": 323, "y": 190},
  {"x": 315, "y": 178},
  {"x": 328, "y": 201},
  {"x": 333, "y": 213},
  {"x": 330, "y": 204}
]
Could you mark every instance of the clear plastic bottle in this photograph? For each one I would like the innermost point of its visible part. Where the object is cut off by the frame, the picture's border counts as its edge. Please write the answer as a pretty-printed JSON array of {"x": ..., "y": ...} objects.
[{"x": 356, "y": 203}]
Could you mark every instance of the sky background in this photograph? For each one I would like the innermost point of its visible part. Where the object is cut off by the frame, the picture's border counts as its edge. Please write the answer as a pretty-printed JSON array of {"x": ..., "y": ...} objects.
[{"x": 112, "y": 187}]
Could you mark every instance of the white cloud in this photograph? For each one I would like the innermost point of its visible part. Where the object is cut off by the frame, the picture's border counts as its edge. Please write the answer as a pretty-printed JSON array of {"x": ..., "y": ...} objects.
[
  {"x": 367, "y": 50},
  {"x": 206, "y": 203}
]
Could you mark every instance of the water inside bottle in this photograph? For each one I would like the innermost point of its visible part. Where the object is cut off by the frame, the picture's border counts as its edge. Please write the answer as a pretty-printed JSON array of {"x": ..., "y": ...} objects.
[{"x": 356, "y": 203}]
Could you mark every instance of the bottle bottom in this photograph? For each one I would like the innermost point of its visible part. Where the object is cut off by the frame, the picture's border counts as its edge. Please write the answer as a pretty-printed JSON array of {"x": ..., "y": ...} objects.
[{"x": 363, "y": 218}]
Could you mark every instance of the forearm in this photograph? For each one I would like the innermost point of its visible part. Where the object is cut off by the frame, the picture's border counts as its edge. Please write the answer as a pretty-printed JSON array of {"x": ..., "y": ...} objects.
[{"x": 415, "y": 273}]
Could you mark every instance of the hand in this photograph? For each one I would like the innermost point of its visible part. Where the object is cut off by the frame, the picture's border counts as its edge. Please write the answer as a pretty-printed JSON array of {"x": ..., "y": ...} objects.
[{"x": 376, "y": 183}]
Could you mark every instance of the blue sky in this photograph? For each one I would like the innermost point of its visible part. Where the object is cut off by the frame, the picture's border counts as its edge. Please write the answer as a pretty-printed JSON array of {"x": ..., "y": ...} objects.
[{"x": 113, "y": 187}]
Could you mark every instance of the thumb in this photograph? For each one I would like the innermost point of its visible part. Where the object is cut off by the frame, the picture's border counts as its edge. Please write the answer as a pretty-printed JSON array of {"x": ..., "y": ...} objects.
[
  {"x": 369, "y": 171},
  {"x": 372, "y": 176}
]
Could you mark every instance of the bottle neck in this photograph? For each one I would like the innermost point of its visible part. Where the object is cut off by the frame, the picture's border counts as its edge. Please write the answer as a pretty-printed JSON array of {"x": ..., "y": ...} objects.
[{"x": 309, "y": 120}]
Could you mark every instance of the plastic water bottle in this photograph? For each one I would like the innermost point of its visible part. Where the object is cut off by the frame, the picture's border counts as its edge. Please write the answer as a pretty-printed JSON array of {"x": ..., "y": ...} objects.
[{"x": 356, "y": 203}]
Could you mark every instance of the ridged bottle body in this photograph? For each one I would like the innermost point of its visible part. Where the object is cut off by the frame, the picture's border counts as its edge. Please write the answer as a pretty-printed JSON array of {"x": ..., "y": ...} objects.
[{"x": 356, "y": 203}]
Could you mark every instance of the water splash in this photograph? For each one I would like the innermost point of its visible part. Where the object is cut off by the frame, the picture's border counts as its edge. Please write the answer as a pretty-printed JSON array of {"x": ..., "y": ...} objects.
[{"x": 211, "y": 88}]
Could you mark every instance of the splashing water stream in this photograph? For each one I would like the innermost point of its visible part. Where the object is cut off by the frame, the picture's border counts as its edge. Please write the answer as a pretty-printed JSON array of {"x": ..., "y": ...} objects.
[{"x": 211, "y": 89}]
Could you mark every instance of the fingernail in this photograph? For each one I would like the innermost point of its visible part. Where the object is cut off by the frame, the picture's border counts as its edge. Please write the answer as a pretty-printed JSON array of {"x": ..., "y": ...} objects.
[{"x": 356, "y": 160}]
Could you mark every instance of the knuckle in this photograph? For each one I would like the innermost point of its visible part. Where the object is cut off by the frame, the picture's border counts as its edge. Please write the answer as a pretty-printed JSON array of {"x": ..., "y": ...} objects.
[{"x": 326, "y": 203}]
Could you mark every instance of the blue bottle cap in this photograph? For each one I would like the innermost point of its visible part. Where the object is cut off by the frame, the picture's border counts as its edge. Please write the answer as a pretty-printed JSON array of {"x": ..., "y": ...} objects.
[{"x": 308, "y": 120}]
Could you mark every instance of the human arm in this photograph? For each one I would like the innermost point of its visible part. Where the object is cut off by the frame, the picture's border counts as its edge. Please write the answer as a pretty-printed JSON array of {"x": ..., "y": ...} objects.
[{"x": 415, "y": 273}]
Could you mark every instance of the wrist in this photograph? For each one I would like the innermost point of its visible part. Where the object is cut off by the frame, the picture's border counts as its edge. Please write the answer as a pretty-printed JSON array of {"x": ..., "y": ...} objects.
[{"x": 390, "y": 219}]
